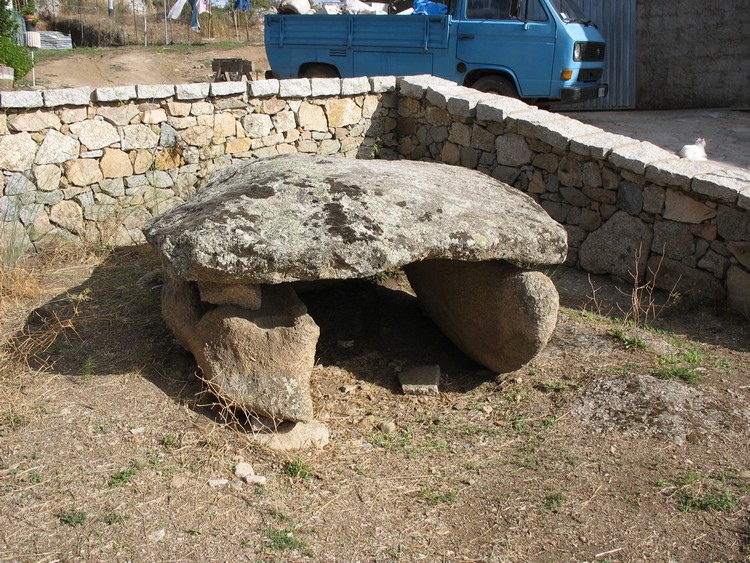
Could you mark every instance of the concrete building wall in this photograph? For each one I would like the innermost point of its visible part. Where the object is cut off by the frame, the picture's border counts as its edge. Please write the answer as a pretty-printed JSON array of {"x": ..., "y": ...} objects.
[{"x": 693, "y": 53}]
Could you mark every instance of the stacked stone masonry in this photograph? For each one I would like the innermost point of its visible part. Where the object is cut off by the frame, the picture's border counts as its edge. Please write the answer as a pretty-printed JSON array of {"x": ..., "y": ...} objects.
[{"x": 98, "y": 164}]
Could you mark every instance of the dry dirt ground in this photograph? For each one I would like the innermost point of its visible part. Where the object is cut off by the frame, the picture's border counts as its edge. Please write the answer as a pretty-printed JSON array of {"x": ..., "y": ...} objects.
[
  {"x": 176, "y": 64},
  {"x": 615, "y": 444}
]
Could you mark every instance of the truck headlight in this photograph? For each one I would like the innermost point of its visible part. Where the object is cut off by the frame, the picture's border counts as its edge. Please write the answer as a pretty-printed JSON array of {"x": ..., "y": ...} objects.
[{"x": 577, "y": 51}]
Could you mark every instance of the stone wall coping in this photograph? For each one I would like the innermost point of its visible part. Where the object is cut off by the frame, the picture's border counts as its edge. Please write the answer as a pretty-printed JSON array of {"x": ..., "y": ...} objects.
[
  {"x": 557, "y": 133},
  {"x": 600, "y": 145},
  {"x": 679, "y": 172},
  {"x": 380, "y": 84},
  {"x": 354, "y": 86},
  {"x": 439, "y": 96},
  {"x": 230, "y": 88},
  {"x": 21, "y": 99},
  {"x": 499, "y": 108},
  {"x": 67, "y": 97},
  {"x": 724, "y": 185},
  {"x": 465, "y": 101},
  {"x": 155, "y": 91},
  {"x": 416, "y": 86},
  {"x": 115, "y": 94},
  {"x": 295, "y": 88},
  {"x": 264, "y": 88},
  {"x": 529, "y": 122},
  {"x": 325, "y": 87},
  {"x": 638, "y": 156},
  {"x": 197, "y": 91}
]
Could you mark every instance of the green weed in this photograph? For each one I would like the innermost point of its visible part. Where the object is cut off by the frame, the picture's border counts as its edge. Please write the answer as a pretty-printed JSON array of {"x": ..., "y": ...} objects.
[
  {"x": 281, "y": 540},
  {"x": 72, "y": 518},
  {"x": 122, "y": 477},
  {"x": 629, "y": 341},
  {"x": 717, "y": 501},
  {"x": 114, "y": 518},
  {"x": 677, "y": 372},
  {"x": 435, "y": 496},
  {"x": 696, "y": 492},
  {"x": 168, "y": 441},
  {"x": 297, "y": 469},
  {"x": 553, "y": 501}
]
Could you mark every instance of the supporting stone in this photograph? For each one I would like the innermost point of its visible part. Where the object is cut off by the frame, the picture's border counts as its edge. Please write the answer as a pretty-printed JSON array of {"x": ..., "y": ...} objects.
[{"x": 498, "y": 314}]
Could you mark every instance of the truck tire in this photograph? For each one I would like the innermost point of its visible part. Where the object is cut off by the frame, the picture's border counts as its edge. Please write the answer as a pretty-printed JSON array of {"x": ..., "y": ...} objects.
[
  {"x": 318, "y": 71},
  {"x": 497, "y": 85}
]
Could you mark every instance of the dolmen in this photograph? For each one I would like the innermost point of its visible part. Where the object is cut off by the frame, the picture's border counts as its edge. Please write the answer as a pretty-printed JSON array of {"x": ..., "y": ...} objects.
[{"x": 469, "y": 245}]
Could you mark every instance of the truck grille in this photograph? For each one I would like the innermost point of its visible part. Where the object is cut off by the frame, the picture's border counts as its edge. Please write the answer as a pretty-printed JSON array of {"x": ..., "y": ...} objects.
[
  {"x": 589, "y": 74},
  {"x": 592, "y": 52}
]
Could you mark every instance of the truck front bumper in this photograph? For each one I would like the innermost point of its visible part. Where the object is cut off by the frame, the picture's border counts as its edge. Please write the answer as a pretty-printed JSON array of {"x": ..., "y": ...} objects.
[{"x": 578, "y": 94}]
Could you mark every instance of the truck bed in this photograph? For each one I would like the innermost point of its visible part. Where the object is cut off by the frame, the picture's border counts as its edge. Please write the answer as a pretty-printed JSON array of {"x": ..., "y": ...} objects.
[{"x": 358, "y": 31}]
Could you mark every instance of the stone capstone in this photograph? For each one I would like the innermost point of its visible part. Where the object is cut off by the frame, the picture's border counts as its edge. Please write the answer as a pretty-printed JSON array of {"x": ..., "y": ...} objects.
[{"x": 296, "y": 218}]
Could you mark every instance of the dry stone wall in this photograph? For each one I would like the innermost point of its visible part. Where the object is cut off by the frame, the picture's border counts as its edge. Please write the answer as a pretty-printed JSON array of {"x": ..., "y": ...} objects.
[
  {"x": 631, "y": 209},
  {"x": 98, "y": 164}
]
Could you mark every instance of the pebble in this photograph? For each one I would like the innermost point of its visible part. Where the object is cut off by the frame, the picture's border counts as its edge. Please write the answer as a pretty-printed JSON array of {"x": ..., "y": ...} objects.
[
  {"x": 244, "y": 470},
  {"x": 487, "y": 409},
  {"x": 257, "y": 480},
  {"x": 139, "y": 430},
  {"x": 218, "y": 482},
  {"x": 388, "y": 427},
  {"x": 156, "y": 536}
]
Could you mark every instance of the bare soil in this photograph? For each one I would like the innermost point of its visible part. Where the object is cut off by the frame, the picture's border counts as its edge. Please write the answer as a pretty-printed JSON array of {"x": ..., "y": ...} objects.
[
  {"x": 108, "y": 452},
  {"x": 120, "y": 66}
]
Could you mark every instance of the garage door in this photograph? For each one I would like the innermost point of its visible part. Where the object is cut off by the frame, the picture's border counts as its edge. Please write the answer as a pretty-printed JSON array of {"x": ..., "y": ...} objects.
[{"x": 616, "y": 20}]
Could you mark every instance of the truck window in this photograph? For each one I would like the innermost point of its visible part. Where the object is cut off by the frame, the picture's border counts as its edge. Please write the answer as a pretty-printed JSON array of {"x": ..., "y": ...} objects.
[
  {"x": 532, "y": 11},
  {"x": 488, "y": 10}
]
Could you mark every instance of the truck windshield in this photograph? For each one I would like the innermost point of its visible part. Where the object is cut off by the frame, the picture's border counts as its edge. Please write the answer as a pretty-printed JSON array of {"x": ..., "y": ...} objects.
[{"x": 569, "y": 11}]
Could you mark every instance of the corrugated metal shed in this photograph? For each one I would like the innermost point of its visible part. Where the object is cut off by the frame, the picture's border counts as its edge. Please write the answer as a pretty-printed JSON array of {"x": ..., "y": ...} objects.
[{"x": 616, "y": 20}]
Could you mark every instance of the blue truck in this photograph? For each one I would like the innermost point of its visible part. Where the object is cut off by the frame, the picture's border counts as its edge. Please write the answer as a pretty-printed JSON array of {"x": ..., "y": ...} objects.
[{"x": 539, "y": 50}]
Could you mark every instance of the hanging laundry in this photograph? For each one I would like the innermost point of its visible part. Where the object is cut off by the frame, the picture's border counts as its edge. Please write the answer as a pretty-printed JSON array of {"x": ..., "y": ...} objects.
[{"x": 176, "y": 10}]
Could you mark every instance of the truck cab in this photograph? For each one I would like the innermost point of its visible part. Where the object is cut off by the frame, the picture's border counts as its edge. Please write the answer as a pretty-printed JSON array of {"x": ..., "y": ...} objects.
[{"x": 538, "y": 50}]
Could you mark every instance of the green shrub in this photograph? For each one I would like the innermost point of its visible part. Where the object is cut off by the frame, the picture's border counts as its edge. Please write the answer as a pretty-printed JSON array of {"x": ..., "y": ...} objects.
[
  {"x": 8, "y": 23},
  {"x": 15, "y": 56}
]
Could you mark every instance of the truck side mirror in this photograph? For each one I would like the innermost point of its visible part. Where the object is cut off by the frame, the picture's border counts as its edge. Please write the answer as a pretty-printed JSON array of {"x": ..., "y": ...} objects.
[{"x": 515, "y": 8}]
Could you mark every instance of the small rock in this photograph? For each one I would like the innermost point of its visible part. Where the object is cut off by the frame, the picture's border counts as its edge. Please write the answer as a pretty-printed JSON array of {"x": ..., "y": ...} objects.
[
  {"x": 157, "y": 536},
  {"x": 487, "y": 409},
  {"x": 295, "y": 436},
  {"x": 387, "y": 427},
  {"x": 244, "y": 470},
  {"x": 422, "y": 380},
  {"x": 217, "y": 482},
  {"x": 257, "y": 480},
  {"x": 136, "y": 431}
]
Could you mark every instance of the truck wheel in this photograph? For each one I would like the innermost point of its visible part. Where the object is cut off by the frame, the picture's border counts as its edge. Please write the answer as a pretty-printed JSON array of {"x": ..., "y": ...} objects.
[
  {"x": 497, "y": 85},
  {"x": 318, "y": 71}
]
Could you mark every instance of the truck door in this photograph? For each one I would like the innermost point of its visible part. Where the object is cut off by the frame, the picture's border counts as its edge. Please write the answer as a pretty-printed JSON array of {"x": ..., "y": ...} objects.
[{"x": 490, "y": 37}]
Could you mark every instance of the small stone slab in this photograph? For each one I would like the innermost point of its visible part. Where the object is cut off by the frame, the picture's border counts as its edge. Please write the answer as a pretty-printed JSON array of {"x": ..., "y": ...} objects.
[
  {"x": 302, "y": 218},
  {"x": 422, "y": 380}
]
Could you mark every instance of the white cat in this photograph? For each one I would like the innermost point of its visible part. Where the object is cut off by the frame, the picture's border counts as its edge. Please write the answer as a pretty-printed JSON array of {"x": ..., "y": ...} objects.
[{"x": 696, "y": 151}]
